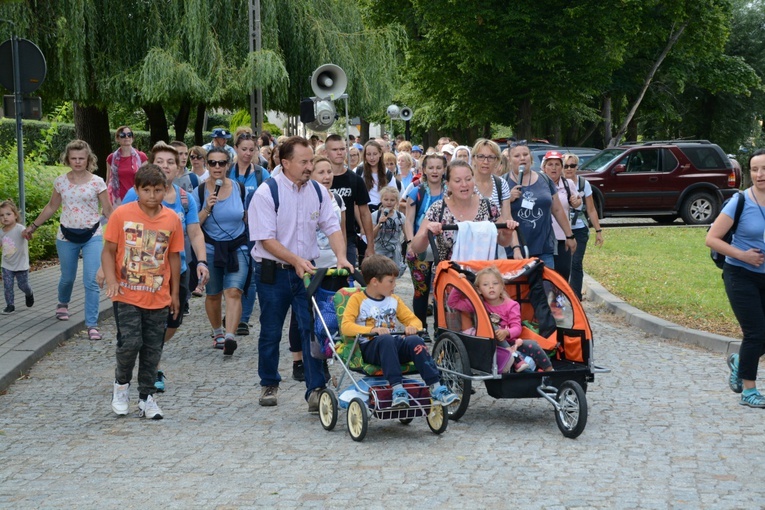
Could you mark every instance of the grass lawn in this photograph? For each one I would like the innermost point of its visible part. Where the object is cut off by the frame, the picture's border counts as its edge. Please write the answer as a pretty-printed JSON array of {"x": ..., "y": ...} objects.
[{"x": 666, "y": 272}]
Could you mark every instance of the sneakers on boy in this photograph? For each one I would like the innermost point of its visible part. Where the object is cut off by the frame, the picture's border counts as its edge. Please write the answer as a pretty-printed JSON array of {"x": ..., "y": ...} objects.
[
  {"x": 313, "y": 401},
  {"x": 444, "y": 396},
  {"x": 30, "y": 300},
  {"x": 400, "y": 399},
  {"x": 121, "y": 398},
  {"x": 148, "y": 408},
  {"x": 298, "y": 371},
  {"x": 752, "y": 398},
  {"x": 160, "y": 382},
  {"x": 9, "y": 309},
  {"x": 268, "y": 396},
  {"x": 734, "y": 381}
]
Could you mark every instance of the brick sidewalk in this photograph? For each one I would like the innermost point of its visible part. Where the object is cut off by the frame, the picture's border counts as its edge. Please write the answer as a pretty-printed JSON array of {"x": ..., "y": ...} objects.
[{"x": 28, "y": 334}]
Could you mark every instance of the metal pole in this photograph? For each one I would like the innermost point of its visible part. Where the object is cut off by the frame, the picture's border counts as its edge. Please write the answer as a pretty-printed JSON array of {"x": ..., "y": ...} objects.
[
  {"x": 251, "y": 42},
  {"x": 347, "y": 133},
  {"x": 258, "y": 47},
  {"x": 19, "y": 129}
]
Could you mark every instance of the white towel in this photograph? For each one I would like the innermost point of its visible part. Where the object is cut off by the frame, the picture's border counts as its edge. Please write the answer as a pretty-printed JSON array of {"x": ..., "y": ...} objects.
[{"x": 475, "y": 240}]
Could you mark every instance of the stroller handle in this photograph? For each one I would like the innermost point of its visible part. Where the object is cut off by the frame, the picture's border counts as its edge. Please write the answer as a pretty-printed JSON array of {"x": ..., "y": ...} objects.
[
  {"x": 456, "y": 226},
  {"x": 395, "y": 333}
]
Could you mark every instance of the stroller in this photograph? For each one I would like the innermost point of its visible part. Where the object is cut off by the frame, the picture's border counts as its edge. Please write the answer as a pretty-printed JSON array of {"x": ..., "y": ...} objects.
[
  {"x": 465, "y": 349},
  {"x": 369, "y": 395}
]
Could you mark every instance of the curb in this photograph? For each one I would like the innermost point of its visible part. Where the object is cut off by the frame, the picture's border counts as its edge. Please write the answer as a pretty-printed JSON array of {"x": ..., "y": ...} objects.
[
  {"x": 22, "y": 359},
  {"x": 653, "y": 325}
]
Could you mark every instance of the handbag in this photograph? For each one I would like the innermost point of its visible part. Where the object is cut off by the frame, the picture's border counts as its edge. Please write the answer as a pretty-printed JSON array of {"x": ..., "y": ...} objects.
[{"x": 79, "y": 235}]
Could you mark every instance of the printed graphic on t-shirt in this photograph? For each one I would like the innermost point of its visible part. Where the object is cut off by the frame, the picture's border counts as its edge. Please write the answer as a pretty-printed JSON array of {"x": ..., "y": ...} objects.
[
  {"x": 9, "y": 246},
  {"x": 529, "y": 212},
  {"x": 144, "y": 257},
  {"x": 383, "y": 316}
]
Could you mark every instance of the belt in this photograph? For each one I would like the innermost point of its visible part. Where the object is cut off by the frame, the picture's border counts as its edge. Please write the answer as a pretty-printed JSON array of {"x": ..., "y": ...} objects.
[{"x": 284, "y": 266}]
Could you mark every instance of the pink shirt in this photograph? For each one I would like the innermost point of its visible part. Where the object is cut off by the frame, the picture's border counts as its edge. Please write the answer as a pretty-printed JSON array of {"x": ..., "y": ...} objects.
[
  {"x": 300, "y": 214},
  {"x": 563, "y": 197},
  {"x": 505, "y": 315}
]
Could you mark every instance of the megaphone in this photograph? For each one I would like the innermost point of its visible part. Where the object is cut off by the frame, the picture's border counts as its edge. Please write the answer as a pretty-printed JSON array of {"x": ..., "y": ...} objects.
[
  {"x": 329, "y": 81},
  {"x": 393, "y": 111},
  {"x": 325, "y": 116},
  {"x": 406, "y": 113}
]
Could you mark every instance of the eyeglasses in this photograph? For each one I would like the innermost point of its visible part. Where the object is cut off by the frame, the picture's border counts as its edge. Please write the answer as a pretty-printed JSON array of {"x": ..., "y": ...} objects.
[
  {"x": 126, "y": 134},
  {"x": 570, "y": 166},
  {"x": 195, "y": 157},
  {"x": 484, "y": 157},
  {"x": 245, "y": 136},
  {"x": 518, "y": 143},
  {"x": 217, "y": 162}
]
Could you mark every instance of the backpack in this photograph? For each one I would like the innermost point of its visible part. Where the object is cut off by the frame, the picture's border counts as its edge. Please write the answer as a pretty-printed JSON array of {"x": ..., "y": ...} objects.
[
  {"x": 718, "y": 258},
  {"x": 274, "y": 187},
  {"x": 583, "y": 212},
  {"x": 234, "y": 174},
  {"x": 184, "y": 200}
]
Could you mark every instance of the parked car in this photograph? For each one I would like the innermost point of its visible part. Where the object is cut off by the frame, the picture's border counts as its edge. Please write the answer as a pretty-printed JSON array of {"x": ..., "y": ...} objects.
[
  {"x": 662, "y": 180},
  {"x": 585, "y": 154}
]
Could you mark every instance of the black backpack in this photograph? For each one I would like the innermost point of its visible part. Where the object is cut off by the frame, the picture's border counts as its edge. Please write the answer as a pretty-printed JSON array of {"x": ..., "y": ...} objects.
[{"x": 718, "y": 258}]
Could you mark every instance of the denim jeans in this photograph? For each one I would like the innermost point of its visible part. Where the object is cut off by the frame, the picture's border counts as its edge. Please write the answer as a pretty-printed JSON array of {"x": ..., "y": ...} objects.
[
  {"x": 746, "y": 293},
  {"x": 275, "y": 300},
  {"x": 68, "y": 255},
  {"x": 582, "y": 235},
  {"x": 248, "y": 298}
]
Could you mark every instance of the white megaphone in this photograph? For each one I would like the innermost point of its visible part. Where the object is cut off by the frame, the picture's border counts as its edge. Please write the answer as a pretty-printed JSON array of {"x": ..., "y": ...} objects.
[
  {"x": 393, "y": 111},
  {"x": 406, "y": 113},
  {"x": 325, "y": 116},
  {"x": 329, "y": 82}
]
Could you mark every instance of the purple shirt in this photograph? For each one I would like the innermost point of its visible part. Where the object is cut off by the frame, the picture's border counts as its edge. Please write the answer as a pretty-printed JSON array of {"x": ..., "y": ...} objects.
[{"x": 300, "y": 213}]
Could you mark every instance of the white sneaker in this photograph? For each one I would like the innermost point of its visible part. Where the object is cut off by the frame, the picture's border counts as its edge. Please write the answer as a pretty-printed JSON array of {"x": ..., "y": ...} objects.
[
  {"x": 149, "y": 409},
  {"x": 121, "y": 399}
]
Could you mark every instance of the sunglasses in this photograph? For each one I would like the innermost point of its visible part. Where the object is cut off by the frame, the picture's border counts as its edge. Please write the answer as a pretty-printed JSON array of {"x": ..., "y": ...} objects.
[
  {"x": 126, "y": 134},
  {"x": 518, "y": 143},
  {"x": 570, "y": 166},
  {"x": 484, "y": 157},
  {"x": 195, "y": 157},
  {"x": 217, "y": 162},
  {"x": 246, "y": 136}
]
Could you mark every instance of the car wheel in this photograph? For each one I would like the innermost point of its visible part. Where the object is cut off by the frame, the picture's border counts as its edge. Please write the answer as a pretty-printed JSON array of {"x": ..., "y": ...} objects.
[{"x": 699, "y": 209}]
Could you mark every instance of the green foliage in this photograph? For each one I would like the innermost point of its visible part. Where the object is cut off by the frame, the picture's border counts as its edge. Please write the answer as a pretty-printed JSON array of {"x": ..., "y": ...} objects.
[{"x": 38, "y": 186}]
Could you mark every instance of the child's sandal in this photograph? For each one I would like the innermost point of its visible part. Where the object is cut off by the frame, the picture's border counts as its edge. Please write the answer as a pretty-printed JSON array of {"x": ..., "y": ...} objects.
[
  {"x": 94, "y": 334},
  {"x": 62, "y": 313}
]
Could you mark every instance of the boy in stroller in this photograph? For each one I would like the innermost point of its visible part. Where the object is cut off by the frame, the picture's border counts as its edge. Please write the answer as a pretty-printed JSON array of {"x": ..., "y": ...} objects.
[{"x": 375, "y": 311}]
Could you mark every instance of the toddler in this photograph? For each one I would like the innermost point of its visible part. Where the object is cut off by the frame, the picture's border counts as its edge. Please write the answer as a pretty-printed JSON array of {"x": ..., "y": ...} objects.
[
  {"x": 15, "y": 256},
  {"x": 389, "y": 226},
  {"x": 513, "y": 354}
]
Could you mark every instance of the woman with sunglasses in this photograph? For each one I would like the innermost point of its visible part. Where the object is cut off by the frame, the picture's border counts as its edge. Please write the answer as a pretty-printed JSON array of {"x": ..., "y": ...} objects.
[
  {"x": 580, "y": 228},
  {"x": 222, "y": 217},
  {"x": 122, "y": 165},
  {"x": 533, "y": 203},
  {"x": 198, "y": 158}
]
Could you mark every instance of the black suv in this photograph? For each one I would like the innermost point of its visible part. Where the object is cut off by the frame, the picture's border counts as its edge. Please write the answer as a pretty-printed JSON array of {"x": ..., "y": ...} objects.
[{"x": 662, "y": 180}]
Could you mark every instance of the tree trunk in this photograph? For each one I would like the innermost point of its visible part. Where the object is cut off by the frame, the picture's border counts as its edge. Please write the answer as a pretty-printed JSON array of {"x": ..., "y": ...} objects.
[
  {"x": 607, "y": 119},
  {"x": 155, "y": 113},
  {"x": 673, "y": 37},
  {"x": 199, "y": 124},
  {"x": 182, "y": 121},
  {"x": 524, "y": 122},
  {"x": 91, "y": 124},
  {"x": 632, "y": 130},
  {"x": 364, "y": 131}
]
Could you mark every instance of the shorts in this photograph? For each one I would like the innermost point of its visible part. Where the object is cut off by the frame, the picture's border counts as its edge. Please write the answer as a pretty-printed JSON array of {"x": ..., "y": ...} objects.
[
  {"x": 183, "y": 293},
  {"x": 221, "y": 279}
]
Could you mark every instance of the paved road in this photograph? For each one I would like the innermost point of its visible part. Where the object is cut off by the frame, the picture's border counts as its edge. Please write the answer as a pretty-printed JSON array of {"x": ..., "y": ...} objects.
[{"x": 664, "y": 432}]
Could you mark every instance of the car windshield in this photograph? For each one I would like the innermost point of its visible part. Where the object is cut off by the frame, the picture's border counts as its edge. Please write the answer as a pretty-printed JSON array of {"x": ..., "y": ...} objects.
[{"x": 602, "y": 160}]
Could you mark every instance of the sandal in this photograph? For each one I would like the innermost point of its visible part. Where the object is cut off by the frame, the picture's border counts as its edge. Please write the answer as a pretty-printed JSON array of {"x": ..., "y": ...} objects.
[
  {"x": 62, "y": 313},
  {"x": 198, "y": 292},
  {"x": 93, "y": 333},
  {"x": 219, "y": 341}
]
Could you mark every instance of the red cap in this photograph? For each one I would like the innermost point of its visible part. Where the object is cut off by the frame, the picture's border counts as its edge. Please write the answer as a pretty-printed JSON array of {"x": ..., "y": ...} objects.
[{"x": 552, "y": 155}]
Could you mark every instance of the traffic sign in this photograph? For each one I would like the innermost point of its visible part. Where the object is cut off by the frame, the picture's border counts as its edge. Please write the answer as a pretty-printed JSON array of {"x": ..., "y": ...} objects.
[{"x": 32, "y": 67}]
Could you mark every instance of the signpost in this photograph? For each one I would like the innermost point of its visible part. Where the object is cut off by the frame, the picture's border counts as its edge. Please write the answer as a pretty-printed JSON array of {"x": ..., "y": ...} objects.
[{"x": 22, "y": 70}]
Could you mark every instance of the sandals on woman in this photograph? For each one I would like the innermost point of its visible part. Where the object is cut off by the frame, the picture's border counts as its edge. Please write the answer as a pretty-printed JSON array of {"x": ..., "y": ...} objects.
[
  {"x": 62, "y": 313},
  {"x": 94, "y": 334}
]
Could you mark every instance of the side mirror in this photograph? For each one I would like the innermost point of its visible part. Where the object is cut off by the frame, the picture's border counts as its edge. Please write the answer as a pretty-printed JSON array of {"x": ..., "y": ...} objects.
[{"x": 619, "y": 169}]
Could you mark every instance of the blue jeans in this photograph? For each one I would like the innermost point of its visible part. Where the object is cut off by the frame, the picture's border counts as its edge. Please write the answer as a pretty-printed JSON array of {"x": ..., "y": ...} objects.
[
  {"x": 275, "y": 300},
  {"x": 68, "y": 255},
  {"x": 582, "y": 235},
  {"x": 248, "y": 298},
  {"x": 547, "y": 258}
]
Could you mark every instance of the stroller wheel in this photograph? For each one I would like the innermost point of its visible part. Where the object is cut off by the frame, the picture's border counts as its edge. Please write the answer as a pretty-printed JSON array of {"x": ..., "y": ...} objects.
[
  {"x": 571, "y": 415},
  {"x": 328, "y": 409},
  {"x": 449, "y": 352},
  {"x": 358, "y": 419},
  {"x": 438, "y": 419},
  {"x": 406, "y": 421}
]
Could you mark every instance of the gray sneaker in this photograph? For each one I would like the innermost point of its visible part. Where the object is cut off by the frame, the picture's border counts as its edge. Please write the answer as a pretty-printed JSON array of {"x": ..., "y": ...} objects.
[
  {"x": 268, "y": 396},
  {"x": 313, "y": 401},
  {"x": 121, "y": 398},
  {"x": 734, "y": 381}
]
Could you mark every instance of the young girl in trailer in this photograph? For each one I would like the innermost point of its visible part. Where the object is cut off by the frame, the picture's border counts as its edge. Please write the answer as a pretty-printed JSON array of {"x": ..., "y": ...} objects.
[{"x": 505, "y": 314}]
